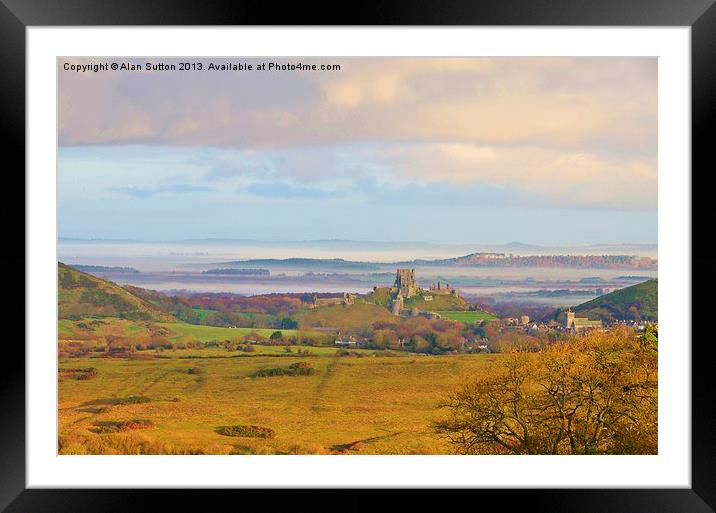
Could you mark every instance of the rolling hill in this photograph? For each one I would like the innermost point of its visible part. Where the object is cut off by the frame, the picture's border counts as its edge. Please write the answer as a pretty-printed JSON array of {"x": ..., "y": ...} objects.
[
  {"x": 638, "y": 302},
  {"x": 322, "y": 263},
  {"x": 344, "y": 317},
  {"x": 592, "y": 261},
  {"x": 439, "y": 302},
  {"x": 81, "y": 294}
]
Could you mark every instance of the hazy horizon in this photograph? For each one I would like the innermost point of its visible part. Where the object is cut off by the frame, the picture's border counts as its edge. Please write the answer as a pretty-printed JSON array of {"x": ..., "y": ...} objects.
[
  {"x": 361, "y": 241},
  {"x": 166, "y": 255}
]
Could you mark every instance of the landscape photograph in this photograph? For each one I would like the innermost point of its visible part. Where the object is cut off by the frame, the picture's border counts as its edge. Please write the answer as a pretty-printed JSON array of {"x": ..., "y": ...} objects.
[{"x": 357, "y": 256}]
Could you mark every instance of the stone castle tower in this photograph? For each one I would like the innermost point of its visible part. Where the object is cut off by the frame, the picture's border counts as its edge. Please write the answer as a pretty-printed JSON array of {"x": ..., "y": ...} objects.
[
  {"x": 397, "y": 304},
  {"x": 405, "y": 282}
]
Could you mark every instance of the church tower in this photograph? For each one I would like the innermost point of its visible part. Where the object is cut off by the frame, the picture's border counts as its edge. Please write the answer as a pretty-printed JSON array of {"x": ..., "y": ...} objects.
[{"x": 570, "y": 318}]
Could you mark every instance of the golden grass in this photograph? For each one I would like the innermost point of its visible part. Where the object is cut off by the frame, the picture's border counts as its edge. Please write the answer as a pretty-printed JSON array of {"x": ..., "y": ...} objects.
[
  {"x": 100, "y": 328},
  {"x": 344, "y": 316},
  {"x": 370, "y": 405}
]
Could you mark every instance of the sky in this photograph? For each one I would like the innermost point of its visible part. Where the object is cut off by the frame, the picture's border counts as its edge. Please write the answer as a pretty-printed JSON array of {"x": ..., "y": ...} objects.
[{"x": 550, "y": 151}]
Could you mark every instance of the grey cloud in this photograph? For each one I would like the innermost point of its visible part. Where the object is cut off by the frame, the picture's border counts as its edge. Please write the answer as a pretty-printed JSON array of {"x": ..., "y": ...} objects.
[
  {"x": 146, "y": 192},
  {"x": 283, "y": 190},
  {"x": 581, "y": 104}
]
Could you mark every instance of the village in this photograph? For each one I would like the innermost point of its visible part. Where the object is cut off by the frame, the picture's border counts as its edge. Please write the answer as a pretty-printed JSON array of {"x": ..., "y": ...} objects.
[{"x": 481, "y": 335}]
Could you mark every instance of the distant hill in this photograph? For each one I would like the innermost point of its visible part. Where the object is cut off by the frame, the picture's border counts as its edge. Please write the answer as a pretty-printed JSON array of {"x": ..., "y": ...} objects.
[
  {"x": 323, "y": 263},
  {"x": 240, "y": 272},
  {"x": 576, "y": 261},
  {"x": 472, "y": 259},
  {"x": 81, "y": 294},
  {"x": 638, "y": 302},
  {"x": 99, "y": 269}
]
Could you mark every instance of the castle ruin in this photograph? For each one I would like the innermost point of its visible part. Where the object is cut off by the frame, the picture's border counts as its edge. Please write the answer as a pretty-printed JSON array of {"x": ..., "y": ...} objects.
[
  {"x": 405, "y": 283},
  {"x": 397, "y": 305},
  {"x": 442, "y": 288},
  {"x": 345, "y": 299}
]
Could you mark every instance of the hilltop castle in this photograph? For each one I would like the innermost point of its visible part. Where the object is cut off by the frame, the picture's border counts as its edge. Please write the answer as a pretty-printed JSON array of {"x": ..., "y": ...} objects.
[
  {"x": 344, "y": 299},
  {"x": 405, "y": 283},
  {"x": 442, "y": 288}
]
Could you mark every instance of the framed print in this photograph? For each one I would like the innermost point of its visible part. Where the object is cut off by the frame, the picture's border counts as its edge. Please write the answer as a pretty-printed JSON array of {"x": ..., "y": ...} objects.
[{"x": 432, "y": 249}]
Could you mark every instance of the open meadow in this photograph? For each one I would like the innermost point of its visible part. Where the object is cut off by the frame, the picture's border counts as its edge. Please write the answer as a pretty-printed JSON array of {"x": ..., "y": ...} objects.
[
  {"x": 467, "y": 317},
  {"x": 205, "y": 401}
]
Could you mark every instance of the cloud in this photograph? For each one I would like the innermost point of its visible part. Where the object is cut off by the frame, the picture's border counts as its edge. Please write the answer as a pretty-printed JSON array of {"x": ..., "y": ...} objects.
[
  {"x": 577, "y": 132},
  {"x": 453, "y": 171},
  {"x": 283, "y": 190},
  {"x": 146, "y": 192},
  {"x": 449, "y": 172},
  {"x": 540, "y": 175},
  {"x": 605, "y": 104}
]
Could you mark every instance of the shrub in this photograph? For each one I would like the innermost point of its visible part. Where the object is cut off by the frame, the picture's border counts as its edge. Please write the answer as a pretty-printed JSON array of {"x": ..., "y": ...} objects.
[
  {"x": 132, "y": 399},
  {"x": 78, "y": 374},
  {"x": 288, "y": 323},
  {"x": 88, "y": 373},
  {"x": 273, "y": 371},
  {"x": 157, "y": 341},
  {"x": 115, "y": 426},
  {"x": 346, "y": 353},
  {"x": 194, "y": 370},
  {"x": 295, "y": 369},
  {"x": 71, "y": 349},
  {"x": 246, "y": 431},
  {"x": 301, "y": 369},
  {"x": 254, "y": 338}
]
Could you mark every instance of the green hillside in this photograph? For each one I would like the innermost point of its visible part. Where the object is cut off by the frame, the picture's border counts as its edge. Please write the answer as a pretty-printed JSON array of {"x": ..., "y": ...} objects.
[
  {"x": 467, "y": 317},
  {"x": 439, "y": 302},
  {"x": 343, "y": 317},
  {"x": 381, "y": 296},
  {"x": 82, "y": 295},
  {"x": 638, "y": 302}
]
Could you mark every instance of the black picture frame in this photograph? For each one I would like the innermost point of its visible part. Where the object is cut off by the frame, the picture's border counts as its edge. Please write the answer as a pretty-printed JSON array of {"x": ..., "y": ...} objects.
[{"x": 17, "y": 15}]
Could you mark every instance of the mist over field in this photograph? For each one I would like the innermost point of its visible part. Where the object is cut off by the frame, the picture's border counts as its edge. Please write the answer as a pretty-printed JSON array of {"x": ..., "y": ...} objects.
[
  {"x": 307, "y": 266},
  {"x": 183, "y": 251}
]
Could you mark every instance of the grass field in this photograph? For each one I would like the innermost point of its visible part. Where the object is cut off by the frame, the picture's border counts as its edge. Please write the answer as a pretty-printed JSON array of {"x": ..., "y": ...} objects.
[
  {"x": 353, "y": 316},
  {"x": 468, "y": 317},
  {"x": 205, "y": 333},
  {"x": 351, "y": 405},
  {"x": 439, "y": 302},
  {"x": 202, "y": 313},
  {"x": 72, "y": 330}
]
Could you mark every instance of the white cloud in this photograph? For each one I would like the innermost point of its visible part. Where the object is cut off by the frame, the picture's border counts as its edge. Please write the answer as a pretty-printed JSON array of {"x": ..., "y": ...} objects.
[{"x": 546, "y": 175}]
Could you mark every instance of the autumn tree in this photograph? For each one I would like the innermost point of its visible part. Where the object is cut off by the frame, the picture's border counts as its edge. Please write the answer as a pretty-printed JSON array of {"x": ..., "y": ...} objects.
[{"x": 593, "y": 394}]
